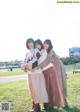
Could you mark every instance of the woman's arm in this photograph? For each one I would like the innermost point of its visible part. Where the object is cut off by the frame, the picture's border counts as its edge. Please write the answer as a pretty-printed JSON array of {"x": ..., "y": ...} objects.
[
  {"x": 43, "y": 56},
  {"x": 40, "y": 57},
  {"x": 34, "y": 62},
  {"x": 50, "y": 58},
  {"x": 25, "y": 64}
]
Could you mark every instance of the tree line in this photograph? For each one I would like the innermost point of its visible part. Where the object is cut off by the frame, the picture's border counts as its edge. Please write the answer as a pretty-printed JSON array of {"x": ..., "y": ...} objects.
[{"x": 69, "y": 60}]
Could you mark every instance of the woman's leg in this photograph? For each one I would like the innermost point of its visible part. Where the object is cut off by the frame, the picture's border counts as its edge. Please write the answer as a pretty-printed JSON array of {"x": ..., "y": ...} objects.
[{"x": 36, "y": 108}]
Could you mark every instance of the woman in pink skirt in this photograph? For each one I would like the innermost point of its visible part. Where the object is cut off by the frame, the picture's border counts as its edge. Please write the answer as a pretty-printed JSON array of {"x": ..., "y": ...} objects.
[
  {"x": 58, "y": 66},
  {"x": 53, "y": 83}
]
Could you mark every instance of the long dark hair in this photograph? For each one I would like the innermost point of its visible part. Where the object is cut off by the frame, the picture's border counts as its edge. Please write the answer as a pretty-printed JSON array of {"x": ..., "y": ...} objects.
[
  {"x": 29, "y": 40},
  {"x": 38, "y": 41},
  {"x": 47, "y": 41}
]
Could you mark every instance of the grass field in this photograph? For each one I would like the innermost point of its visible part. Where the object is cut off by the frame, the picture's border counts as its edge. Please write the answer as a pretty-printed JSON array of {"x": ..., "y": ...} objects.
[
  {"x": 18, "y": 95},
  {"x": 11, "y": 73},
  {"x": 72, "y": 66}
]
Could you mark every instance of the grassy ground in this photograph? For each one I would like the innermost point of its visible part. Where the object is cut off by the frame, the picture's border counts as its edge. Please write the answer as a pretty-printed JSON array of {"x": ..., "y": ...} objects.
[
  {"x": 11, "y": 73},
  {"x": 18, "y": 95},
  {"x": 72, "y": 66}
]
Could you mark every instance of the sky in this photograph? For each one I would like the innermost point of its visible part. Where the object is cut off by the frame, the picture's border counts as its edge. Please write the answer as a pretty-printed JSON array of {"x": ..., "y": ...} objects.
[{"x": 37, "y": 19}]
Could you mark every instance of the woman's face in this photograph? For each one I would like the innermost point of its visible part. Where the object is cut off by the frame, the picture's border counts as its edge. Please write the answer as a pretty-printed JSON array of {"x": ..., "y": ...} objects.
[
  {"x": 38, "y": 46},
  {"x": 46, "y": 46},
  {"x": 30, "y": 45}
]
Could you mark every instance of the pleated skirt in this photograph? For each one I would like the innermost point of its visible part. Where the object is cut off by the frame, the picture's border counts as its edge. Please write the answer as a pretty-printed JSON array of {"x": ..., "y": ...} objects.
[
  {"x": 37, "y": 87},
  {"x": 55, "y": 94},
  {"x": 60, "y": 70}
]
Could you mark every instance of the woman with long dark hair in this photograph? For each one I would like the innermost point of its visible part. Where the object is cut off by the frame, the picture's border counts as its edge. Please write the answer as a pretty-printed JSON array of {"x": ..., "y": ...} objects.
[
  {"x": 57, "y": 64},
  {"x": 53, "y": 83},
  {"x": 36, "y": 79}
]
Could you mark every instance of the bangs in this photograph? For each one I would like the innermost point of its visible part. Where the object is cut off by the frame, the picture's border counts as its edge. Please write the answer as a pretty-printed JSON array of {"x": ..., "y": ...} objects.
[
  {"x": 30, "y": 40},
  {"x": 47, "y": 41},
  {"x": 39, "y": 42}
]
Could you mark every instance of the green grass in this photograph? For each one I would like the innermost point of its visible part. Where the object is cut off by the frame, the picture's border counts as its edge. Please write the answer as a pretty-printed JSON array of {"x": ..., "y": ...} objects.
[
  {"x": 17, "y": 94},
  {"x": 72, "y": 66},
  {"x": 11, "y": 73}
]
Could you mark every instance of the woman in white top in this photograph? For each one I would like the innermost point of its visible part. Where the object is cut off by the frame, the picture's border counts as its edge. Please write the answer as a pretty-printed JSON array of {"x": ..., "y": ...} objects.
[{"x": 36, "y": 79}]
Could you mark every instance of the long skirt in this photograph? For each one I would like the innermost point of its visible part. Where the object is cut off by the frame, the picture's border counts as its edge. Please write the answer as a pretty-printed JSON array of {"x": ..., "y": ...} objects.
[
  {"x": 54, "y": 89},
  {"x": 60, "y": 70},
  {"x": 37, "y": 87}
]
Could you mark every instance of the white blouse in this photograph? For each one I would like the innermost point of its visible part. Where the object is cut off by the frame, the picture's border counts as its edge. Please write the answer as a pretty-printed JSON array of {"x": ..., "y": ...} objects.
[{"x": 31, "y": 57}]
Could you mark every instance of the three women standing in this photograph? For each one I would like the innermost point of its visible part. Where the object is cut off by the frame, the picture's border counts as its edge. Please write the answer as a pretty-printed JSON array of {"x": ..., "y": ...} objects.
[{"x": 53, "y": 79}]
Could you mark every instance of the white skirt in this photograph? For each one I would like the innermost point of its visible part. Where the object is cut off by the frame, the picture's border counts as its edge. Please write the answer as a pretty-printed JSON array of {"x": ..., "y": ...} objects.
[{"x": 37, "y": 88}]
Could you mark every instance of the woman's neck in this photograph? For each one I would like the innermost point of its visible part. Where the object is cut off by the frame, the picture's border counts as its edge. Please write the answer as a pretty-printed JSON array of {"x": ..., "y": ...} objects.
[{"x": 31, "y": 49}]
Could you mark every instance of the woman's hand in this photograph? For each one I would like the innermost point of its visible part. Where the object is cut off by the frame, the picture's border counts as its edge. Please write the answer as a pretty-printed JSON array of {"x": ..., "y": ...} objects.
[
  {"x": 25, "y": 67},
  {"x": 33, "y": 70}
]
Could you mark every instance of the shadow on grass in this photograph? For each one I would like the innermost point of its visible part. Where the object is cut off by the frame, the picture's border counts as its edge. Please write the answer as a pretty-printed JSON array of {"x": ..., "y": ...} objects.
[
  {"x": 71, "y": 109},
  {"x": 66, "y": 109}
]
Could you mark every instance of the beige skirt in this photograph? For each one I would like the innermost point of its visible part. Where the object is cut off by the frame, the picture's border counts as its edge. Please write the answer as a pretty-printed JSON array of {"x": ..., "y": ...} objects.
[
  {"x": 56, "y": 97},
  {"x": 37, "y": 87}
]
